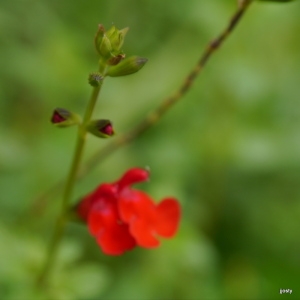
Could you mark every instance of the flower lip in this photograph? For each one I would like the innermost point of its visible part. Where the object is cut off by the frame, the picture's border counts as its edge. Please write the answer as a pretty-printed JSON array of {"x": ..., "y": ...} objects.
[{"x": 132, "y": 176}]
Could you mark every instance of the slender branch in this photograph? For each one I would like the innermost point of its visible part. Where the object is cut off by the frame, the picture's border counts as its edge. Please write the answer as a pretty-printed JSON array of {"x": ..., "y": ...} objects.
[{"x": 154, "y": 116}]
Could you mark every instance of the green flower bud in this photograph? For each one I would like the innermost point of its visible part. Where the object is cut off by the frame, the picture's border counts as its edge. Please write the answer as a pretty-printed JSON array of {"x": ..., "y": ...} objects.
[
  {"x": 64, "y": 118},
  {"x": 109, "y": 44},
  {"x": 95, "y": 79},
  {"x": 127, "y": 66},
  {"x": 101, "y": 128},
  {"x": 117, "y": 37}
]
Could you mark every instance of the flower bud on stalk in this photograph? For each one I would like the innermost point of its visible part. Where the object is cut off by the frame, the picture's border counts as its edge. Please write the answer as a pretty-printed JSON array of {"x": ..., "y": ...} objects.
[
  {"x": 64, "y": 118},
  {"x": 109, "y": 43},
  {"x": 101, "y": 128},
  {"x": 127, "y": 66}
]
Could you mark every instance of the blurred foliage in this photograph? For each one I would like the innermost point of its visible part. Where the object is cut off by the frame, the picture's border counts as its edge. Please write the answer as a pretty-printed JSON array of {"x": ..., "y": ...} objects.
[{"x": 229, "y": 151}]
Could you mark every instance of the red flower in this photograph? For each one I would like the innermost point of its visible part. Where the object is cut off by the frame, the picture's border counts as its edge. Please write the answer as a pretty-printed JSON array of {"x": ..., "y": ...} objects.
[{"x": 121, "y": 218}]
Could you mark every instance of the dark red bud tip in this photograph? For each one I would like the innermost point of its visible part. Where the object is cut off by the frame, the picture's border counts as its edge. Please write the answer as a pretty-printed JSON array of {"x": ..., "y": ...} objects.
[
  {"x": 101, "y": 128},
  {"x": 107, "y": 129},
  {"x": 59, "y": 115}
]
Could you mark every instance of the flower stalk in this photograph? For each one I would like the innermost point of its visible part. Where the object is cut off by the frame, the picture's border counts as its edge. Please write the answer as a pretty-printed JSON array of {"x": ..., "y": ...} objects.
[
  {"x": 108, "y": 45},
  {"x": 67, "y": 195}
]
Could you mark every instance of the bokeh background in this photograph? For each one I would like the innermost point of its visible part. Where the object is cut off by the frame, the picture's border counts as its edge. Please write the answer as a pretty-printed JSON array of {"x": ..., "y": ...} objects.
[{"x": 229, "y": 150}]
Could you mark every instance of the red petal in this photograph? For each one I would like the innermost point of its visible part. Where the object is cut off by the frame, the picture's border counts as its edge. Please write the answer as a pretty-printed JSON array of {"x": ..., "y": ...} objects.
[
  {"x": 167, "y": 217},
  {"x": 116, "y": 240},
  {"x": 135, "y": 204},
  {"x": 102, "y": 216},
  {"x": 105, "y": 190},
  {"x": 112, "y": 235},
  {"x": 142, "y": 231},
  {"x": 132, "y": 176},
  {"x": 138, "y": 209}
]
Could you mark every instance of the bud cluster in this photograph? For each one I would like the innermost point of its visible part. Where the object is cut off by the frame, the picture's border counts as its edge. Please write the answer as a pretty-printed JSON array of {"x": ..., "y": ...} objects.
[
  {"x": 109, "y": 46},
  {"x": 112, "y": 63}
]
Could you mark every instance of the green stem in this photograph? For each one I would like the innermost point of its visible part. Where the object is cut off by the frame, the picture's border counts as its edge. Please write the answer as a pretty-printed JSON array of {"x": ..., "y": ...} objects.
[
  {"x": 81, "y": 135},
  {"x": 67, "y": 195}
]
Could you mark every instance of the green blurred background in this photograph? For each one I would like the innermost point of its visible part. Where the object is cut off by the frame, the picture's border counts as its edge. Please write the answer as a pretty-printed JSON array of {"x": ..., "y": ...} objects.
[{"x": 229, "y": 151}]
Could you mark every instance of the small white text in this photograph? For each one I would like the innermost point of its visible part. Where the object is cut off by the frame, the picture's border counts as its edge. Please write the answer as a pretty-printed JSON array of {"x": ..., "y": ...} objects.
[{"x": 285, "y": 291}]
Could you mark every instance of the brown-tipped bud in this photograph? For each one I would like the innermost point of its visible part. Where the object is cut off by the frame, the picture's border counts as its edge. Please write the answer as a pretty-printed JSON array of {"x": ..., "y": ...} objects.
[
  {"x": 95, "y": 79},
  {"x": 127, "y": 66},
  {"x": 114, "y": 60},
  {"x": 64, "y": 118},
  {"x": 101, "y": 128}
]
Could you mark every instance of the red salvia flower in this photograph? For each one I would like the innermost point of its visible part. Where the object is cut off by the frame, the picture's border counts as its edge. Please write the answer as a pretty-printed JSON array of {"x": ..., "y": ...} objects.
[{"x": 121, "y": 218}]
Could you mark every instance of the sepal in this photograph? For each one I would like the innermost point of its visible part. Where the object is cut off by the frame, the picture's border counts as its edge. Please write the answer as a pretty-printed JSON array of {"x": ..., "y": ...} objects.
[
  {"x": 101, "y": 128},
  {"x": 115, "y": 59},
  {"x": 64, "y": 118},
  {"x": 127, "y": 66},
  {"x": 99, "y": 36},
  {"x": 105, "y": 47}
]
